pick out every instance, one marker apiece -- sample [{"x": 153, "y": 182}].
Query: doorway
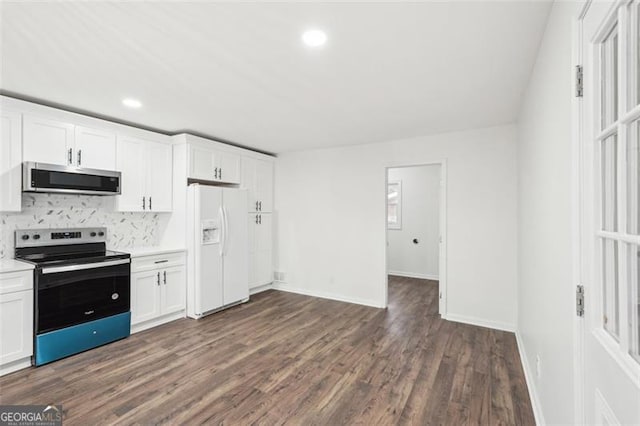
[{"x": 415, "y": 228}]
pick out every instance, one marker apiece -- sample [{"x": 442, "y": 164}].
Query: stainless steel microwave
[{"x": 40, "y": 177}]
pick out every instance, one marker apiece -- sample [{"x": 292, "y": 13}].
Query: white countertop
[
  {"x": 12, "y": 265},
  {"x": 150, "y": 251}
]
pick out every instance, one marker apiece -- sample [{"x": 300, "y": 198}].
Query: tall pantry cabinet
[{"x": 257, "y": 178}]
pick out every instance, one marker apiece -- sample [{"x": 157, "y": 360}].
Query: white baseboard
[
  {"x": 136, "y": 328},
  {"x": 282, "y": 286},
  {"x": 496, "y": 325},
  {"x": 15, "y": 366},
  {"x": 260, "y": 288},
  {"x": 431, "y": 277},
  {"x": 531, "y": 386}
]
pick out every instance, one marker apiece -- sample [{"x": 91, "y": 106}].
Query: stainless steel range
[{"x": 82, "y": 290}]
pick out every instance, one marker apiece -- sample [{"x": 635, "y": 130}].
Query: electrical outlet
[
  {"x": 278, "y": 276},
  {"x": 538, "y": 367}
]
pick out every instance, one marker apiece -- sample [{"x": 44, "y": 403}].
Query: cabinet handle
[
  {"x": 260, "y": 220},
  {"x": 260, "y": 203},
  {"x": 165, "y": 277},
  {"x": 150, "y": 208},
  {"x": 215, "y": 173},
  {"x": 144, "y": 203},
  {"x": 158, "y": 278},
  {"x": 79, "y": 157},
  {"x": 220, "y": 173},
  {"x": 70, "y": 156},
  {"x": 256, "y": 206},
  {"x": 257, "y": 219}
]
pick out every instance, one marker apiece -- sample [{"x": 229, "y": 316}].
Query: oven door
[{"x": 74, "y": 294}]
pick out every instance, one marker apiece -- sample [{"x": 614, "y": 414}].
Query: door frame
[
  {"x": 442, "y": 252},
  {"x": 578, "y": 222}
]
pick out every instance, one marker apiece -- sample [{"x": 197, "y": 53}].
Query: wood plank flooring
[{"x": 290, "y": 359}]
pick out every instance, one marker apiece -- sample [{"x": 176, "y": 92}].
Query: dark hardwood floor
[{"x": 286, "y": 358}]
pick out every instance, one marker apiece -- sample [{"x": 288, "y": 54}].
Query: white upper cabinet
[
  {"x": 146, "y": 168},
  {"x": 47, "y": 141},
  {"x": 228, "y": 167},
  {"x": 95, "y": 149},
  {"x": 201, "y": 165},
  {"x": 257, "y": 177},
  {"x": 131, "y": 162},
  {"x": 10, "y": 161},
  {"x": 213, "y": 165},
  {"x": 159, "y": 176},
  {"x": 58, "y": 142}
]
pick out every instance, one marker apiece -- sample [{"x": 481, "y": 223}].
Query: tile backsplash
[{"x": 79, "y": 211}]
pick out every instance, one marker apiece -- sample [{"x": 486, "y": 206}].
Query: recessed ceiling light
[
  {"x": 314, "y": 38},
  {"x": 131, "y": 103}
]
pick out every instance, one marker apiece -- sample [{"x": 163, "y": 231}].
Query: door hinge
[
  {"x": 580, "y": 300},
  {"x": 579, "y": 81}
]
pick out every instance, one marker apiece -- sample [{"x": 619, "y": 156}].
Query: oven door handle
[{"x": 70, "y": 268}]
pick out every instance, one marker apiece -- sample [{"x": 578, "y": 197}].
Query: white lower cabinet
[
  {"x": 158, "y": 286},
  {"x": 145, "y": 296},
  {"x": 16, "y": 321},
  {"x": 260, "y": 250}
]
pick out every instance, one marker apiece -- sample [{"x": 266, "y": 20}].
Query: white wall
[
  {"x": 545, "y": 287},
  {"x": 420, "y": 220},
  {"x": 331, "y": 219}
]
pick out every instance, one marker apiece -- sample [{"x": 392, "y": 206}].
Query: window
[{"x": 394, "y": 204}]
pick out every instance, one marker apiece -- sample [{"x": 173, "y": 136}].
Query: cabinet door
[
  {"x": 264, "y": 185},
  {"x": 201, "y": 164},
  {"x": 95, "y": 149},
  {"x": 263, "y": 250},
  {"x": 159, "y": 177},
  {"x": 173, "y": 287},
  {"x": 16, "y": 326},
  {"x": 228, "y": 167},
  {"x": 145, "y": 296},
  {"x": 252, "y": 224},
  {"x": 132, "y": 161},
  {"x": 248, "y": 182},
  {"x": 10, "y": 161},
  {"x": 47, "y": 141}
]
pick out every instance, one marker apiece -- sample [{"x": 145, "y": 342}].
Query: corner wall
[
  {"x": 331, "y": 219},
  {"x": 545, "y": 287}
]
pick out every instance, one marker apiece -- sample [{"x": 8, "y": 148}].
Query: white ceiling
[{"x": 239, "y": 72}]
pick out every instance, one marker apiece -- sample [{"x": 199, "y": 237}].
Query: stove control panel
[{"x": 50, "y": 237}]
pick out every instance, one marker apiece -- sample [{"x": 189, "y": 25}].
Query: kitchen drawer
[
  {"x": 146, "y": 263},
  {"x": 16, "y": 281}
]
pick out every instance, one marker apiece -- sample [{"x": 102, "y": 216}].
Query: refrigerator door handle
[
  {"x": 223, "y": 237},
  {"x": 226, "y": 230}
]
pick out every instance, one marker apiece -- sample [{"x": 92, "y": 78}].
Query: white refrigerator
[{"x": 218, "y": 261}]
